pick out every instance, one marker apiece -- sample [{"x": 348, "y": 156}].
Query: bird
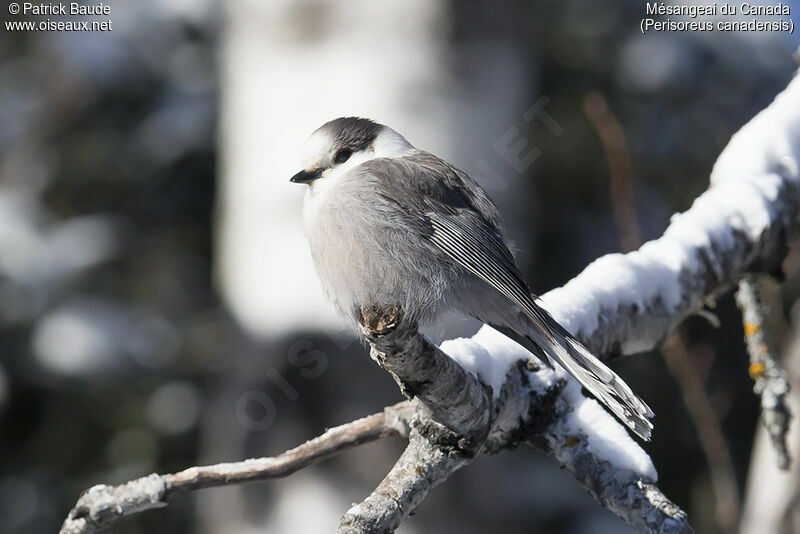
[{"x": 395, "y": 227}]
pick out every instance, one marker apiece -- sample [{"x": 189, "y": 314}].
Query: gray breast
[{"x": 368, "y": 251}]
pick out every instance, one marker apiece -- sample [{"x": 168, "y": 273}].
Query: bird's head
[{"x": 342, "y": 144}]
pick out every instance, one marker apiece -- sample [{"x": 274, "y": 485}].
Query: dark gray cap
[{"x": 352, "y": 132}]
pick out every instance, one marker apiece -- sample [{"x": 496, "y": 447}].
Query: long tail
[{"x": 546, "y": 337}]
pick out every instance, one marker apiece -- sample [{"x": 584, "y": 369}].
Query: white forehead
[{"x": 315, "y": 149}]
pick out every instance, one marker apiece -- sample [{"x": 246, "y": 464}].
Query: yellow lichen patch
[
  {"x": 571, "y": 441},
  {"x": 756, "y": 370},
  {"x": 751, "y": 328}
]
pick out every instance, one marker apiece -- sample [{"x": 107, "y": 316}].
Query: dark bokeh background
[{"x": 117, "y": 358}]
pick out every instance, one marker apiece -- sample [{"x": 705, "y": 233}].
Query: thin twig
[
  {"x": 101, "y": 505},
  {"x": 612, "y": 136},
  {"x": 770, "y": 379},
  {"x": 709, "y": 429}
]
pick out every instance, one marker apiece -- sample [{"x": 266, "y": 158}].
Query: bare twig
[
  {"x": 101, "y": 505},
  {"x": 612, "y": 136},
  {"x": 709, "y": 429},
  {"x": 770, "y": 379}
]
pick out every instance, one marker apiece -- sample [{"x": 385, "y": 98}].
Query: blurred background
[{"x": 158, "y": 308}]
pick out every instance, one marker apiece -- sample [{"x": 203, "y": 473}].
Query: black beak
[{"x": 306, "y": 177}]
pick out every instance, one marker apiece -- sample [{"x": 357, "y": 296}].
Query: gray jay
[{"x": 393, "y": 226}]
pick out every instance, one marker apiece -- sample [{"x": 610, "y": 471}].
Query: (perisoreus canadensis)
[{"x": 393, "y": 226}]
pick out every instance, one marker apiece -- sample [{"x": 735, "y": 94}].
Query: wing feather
[{"x": 482, "y": 252}]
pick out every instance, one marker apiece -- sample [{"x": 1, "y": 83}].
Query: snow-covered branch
[{"x": 488, "y": 396}]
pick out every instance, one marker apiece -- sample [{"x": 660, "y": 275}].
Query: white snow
[
  {"x": 489, "y": 355},
  {"x": 606, "y": 438},
  {"x": 768, "y": 144},
  {"x": 489, "y": 368}
]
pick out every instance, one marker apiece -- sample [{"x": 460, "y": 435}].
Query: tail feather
[{"x": 606, "y": 386}]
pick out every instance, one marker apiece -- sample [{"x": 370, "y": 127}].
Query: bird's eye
[{"x": 342, "y": 155}]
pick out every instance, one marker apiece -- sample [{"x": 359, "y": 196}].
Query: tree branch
[
  {"x": 101, "y": 505},
  {"x": 456, "y": 398},
  {"x": 423, "y": 465},
  {"x": 633, "y": 498}
]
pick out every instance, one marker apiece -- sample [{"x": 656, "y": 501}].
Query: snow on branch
[{"x": 484, "y": 395}]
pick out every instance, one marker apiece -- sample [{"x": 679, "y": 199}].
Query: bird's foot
[{"x": 378, "y": 320}]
